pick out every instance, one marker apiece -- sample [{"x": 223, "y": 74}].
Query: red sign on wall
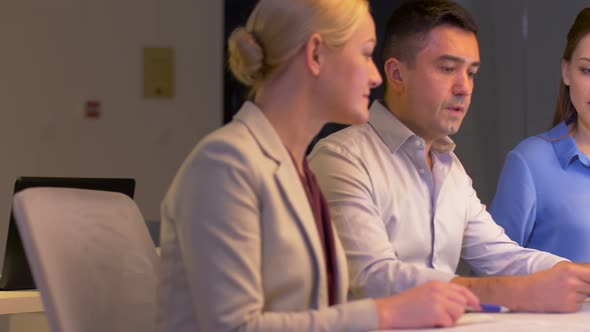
[{"x": 92, "y": 109}]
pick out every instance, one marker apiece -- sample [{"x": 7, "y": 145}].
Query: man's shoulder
[{"x": 350, "y": 140}]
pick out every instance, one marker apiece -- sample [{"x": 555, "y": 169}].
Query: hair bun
[{"x": 245, "y": 56}]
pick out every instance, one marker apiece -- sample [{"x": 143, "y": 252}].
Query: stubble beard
[{"x": 452, "y": 129}]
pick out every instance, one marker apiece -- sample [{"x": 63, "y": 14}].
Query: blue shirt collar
[
  {"x": 564, "y": 145},
  {"x": 394, "y": 133}
]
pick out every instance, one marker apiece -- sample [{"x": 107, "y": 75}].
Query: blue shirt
[
  {"x": 543, "y": 195},
  {"x": 400, "y": 222}
]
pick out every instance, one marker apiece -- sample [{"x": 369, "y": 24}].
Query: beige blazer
[{"x": 240, "y": 248}]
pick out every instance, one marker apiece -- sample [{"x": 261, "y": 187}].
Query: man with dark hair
[
  {"x": 402, "y": 203},
  {"x": 406, "y": 36}
]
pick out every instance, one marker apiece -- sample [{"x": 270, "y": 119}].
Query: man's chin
[{"x": 452, "y": 130}]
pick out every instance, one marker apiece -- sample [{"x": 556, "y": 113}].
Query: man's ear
[
  {"x": 313, "y": 54},
  {"x": 565, "y": 72},
  {"x": 393, "y": 73}
]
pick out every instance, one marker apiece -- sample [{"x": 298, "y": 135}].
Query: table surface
[
  {"x": 521, "y": 322},
  {"x": 17, "y": 302}
]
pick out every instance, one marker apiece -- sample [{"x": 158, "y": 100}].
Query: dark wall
[{"x": 235, "y": 14}]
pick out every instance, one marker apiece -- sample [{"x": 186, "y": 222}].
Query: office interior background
[{"x": 58, "y": 55}]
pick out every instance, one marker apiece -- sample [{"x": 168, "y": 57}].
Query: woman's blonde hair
[{"x": 277, "y": 29}]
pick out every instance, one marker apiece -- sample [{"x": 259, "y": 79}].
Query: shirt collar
[
  {"x": 394, "y": 133},
  {"x": 564, "y": 145}
]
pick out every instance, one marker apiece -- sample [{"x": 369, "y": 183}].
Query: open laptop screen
[{"x": 15, "y": 270}]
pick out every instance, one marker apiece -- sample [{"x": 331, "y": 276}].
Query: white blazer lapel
[
  {"x": 290, "y": 184},
  {"x": 296, "y": 199}
]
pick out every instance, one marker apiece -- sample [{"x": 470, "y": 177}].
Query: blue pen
[{"x": 489, "y": 308}]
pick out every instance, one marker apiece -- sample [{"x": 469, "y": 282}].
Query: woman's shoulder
[
  {"x": 231, "y": 145},
  {"x": 536, "y": 145},
  {"x": 533, "y": 144},
  {"x": 233, "y": 135},
  {"x": 226, "y": 149}
]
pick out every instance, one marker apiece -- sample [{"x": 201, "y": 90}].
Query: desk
[
  {"x": 22, "y": 311},
  {"x": 521, "y": 322},
  {"x": 18, "y": 302}
]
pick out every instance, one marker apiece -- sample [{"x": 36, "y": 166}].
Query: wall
[{"x": 58, "y": 54}]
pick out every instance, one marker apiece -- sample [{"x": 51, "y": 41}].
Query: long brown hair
[{"x": 565, "y": 110}]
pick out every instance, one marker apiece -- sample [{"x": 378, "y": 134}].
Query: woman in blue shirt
[{"x": 543, "y": 195}]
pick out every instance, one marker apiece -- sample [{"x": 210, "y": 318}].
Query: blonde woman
[{"x": 247, "y": 241}]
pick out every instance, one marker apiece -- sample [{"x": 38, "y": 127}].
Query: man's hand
[
  {"x": 562, "y": 288},
  {"x": 433, "y": 304}
]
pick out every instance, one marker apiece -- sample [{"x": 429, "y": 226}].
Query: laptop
[{"x": 16, "y": 274}]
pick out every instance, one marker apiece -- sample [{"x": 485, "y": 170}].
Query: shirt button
[
  {"x": 417, "y": 142},
  {"x": 421, "y": 171}
]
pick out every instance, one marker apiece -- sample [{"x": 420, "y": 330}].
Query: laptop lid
[{"x": 15, "y": 270}]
